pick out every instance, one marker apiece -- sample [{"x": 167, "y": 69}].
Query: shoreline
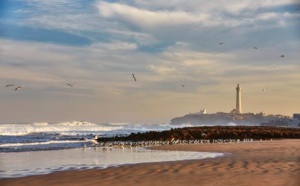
[{"x": 275, "y": 162}]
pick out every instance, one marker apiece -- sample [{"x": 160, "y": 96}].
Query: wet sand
[{"x": 272, "y": 163}]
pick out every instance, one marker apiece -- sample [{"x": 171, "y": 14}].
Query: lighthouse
[{"x": 238, "y": 108}]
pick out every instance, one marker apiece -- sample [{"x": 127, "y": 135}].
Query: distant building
[
  {"x": 263, "y": 114},
  {"x": 276, "y": 123},
  {"x": 296, "y": 115},
  {"x": 283, "y": 122},
  {"x": 203, "y": 111},
  {"x": 199, "y": 113}
]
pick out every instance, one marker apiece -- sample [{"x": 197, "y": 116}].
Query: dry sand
[{"x": 268, "y": 163}]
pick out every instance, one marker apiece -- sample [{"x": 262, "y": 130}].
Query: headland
[{"x": 233, "y": 119}]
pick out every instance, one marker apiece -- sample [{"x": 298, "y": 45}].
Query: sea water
[
  {"x": 67, "y": 135},
  {"x": 41, "y": 148},
  {"x": 20, "y": 164}
]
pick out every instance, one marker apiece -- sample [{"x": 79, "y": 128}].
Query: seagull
[
  {"x": 93, "y": 141},
  {"x": 282, "y": 56},
  {"x": 71, "y": 85},
  {"x": 10, "y": 85},
  {"x": 221, "y": 43},
  {"x": 255, "y": 48},
  {"x": 133, "y": 77},
  {"x": 182, "y": 85},
  {"x": 18, "y": 88}
]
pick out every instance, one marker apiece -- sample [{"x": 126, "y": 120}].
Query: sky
[{"x": 172, "y": 47}]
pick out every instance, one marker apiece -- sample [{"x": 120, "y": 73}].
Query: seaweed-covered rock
[{"x": 212, "y": 132}]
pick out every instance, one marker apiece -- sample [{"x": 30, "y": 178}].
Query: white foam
[
  {"x": 82, "y": 128},
  {"x": 119, "y": 124},
  {"x": 67, "y": 128},
  {"x": 41, "y": 124},
  {"x": 76, "y": 123},
  {"x": 39, "y": 143},
  {"x": 232, "y": 124}
]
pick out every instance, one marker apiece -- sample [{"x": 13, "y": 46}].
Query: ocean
[
  {"x": 42, "y": 148},
  {"x": 66, "y": 135}
]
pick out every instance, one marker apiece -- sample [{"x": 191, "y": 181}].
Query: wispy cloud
[
  {"x": 149, "y": 19},
  {"x": 202, "y": 14}
]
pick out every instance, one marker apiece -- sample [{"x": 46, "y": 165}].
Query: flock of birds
[
  {"x": 221, "y": 43},
  {"x": 129, "y": 144},
  {"x": 17, "y": 87}
]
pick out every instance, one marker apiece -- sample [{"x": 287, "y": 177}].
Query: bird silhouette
[
  {"x": 70, "y": 85},
  {"x": 282, "y": 56},
  {"x": 182, "y": 85},
  {"x": 10, "y": 85},
  {"x": 17, "y": 88},
  {"x": 221, "y": 43},
  {"x": 133, "y": 77},
  {"x": 255, "y": 48}
]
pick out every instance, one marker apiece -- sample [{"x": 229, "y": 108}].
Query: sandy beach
[{"x": 270, "y": 163}]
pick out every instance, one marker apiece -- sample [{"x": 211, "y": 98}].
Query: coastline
[{"x": 275, "y": 162}]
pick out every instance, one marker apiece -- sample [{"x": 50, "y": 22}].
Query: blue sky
[{"x": 97, "y": 45}]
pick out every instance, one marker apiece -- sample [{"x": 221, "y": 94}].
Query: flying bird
[
  {"x": 70, "y": 85},
  {"x": 221, "y": 43},
  {"x": 282, "y": 56},
  {"x": 17, "y": 88},
  {"x": 133, "y": 77},
  {"x": 182, "y": 85},
  {"x": 93, "y": 141},
  {"x": 10, "y": 85},
  {"x": 255, "y": 48}
]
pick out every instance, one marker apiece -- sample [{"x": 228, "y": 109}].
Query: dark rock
[{"x": 212, "y": 132}]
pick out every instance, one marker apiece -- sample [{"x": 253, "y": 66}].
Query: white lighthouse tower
[{"x": 238, "y": 108}]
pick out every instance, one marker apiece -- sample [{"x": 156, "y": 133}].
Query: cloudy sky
[{"x": 96, "y": 45}]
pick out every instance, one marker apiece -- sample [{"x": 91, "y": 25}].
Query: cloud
[
  {"x": 117, "y": 45},
  {"x": 146, "y": 18},
  {"x": 101, "y": 67},
  {"x": 156, "y": 25},
  {"x": 202, "y": 24},
  {"x": 202, "y": 14}
]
